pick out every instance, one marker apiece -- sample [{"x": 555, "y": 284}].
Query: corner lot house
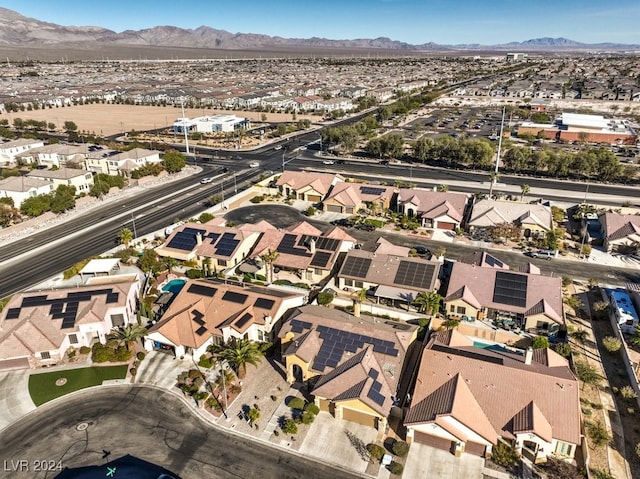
[
  {"x": 621, "y": 233},
  {"x": 307, "y": 186},
  {"x": 121, "y": 163},
  {"x": 467, "y": 398},
  {"x": 353, "y": 368},
  {"x": 37, "y": 327},
  {"x": 80, "y": 179},
  {"x": 535, "y": 220},
  {"x": 19, "y": 188},
  {"x": 207, "y": 311},
  {"x": 526, "y": 301},
  {"x": 434, "y": 209},
  {"x": 349, "y": 198},
  {"x": 10, "y": 149}
]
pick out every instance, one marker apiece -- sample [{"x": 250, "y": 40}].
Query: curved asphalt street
[{"x": 153, "y": 425}]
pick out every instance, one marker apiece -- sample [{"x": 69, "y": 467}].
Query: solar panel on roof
[
  {"x": 68, "y": 321},
  {"x": 415, "y": 275},
  {"x": 112, "y": 297},
  {"x": 370, "y": 190},
  {"x": 202, "y": 290},
  {"x": 197, "y": 317},
  {"x": 327, "y": 244},
  {"x": 356, "y": 266},
  {"x": 13, "y": 313},
  {"x": 510, "y": 289},
  {"x": 213, "y": 237},
  {"x": 243, "y": 320},
  {"x": 34, "y": 301},
  {"x": 264, "y": 303},
  {"x": 201, "y": 330},
  {"x": 373, "y": 373},
  {"x": 287, "y": 246},
  {"x": 296, "y": 327},
  {"x": 320, "y": 259},
  {"x": 234, "y": 297},
  {"x": 376, "y": 397},
  {"x": 185, "y": 240}
]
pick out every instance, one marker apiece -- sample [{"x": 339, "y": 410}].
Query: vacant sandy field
[{"x": 107, "y": 120}]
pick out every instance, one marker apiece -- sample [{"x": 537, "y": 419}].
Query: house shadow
[
  {"x": 125, "y": 466},
  {"x": 358, "y": 444}
]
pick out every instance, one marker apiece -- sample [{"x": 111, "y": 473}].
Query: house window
[
  {"x": 261, "y": 336},
  {"x": 461, "y": 310},
  {"x": 563, "y": 449},
  {"x": 73, "y": 338},
  {"x": 222, "y": 262},
  {"x": 45, "y": 355},
  {"x": 117, "y": 320},
  {"x": 452, "y": 308},
  {"x": 317, "y": 271},
  {"x": 542, "y": 325},
  {"x": 359, "y": 284},
  {"x": 348, "y": 282}
]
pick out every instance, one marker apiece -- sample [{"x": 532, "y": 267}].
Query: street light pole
[
  {"x": 235, "y": 185},
  {"x": 133, "y": 222},
  {"x": 494, "y": 180}
]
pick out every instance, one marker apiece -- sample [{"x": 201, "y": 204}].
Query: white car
[
  {"x": 279, "y": 147},
  {"x": 206, "y": 180},
  {"x": 328, "y": 162},
  {"x": 254, "y": 164}
]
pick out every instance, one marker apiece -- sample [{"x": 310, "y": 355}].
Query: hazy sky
[{"x": 413, "y": 21}]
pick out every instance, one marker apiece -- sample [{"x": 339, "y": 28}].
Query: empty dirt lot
[{"x": 105, "y": 120}]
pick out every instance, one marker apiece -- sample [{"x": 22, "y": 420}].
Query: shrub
[
  {"x": 325, "y": 298},
  {"x": 290, "y": 427},
  {"x": 375, "y": 451},
  {"x": 194, "y": 273},
  {"x": 504, "y": 455},
  {"x": 296, "y": 403},
  {"x": 627, "y": 392},
  {"x": 396, "y": 468},
  {"x": 559, "y": 468},
  {"x": 122, "y": 354},
  {"x": 133, "y": 371},
  {"x": 257, "y": 199},
  {"x": 540, "y": 342},
  {"x": 312, "y": 408},
  {"x": 140, "y": 356},
  {"x": 598, "y": 434},
  {"x": 400, "y": 448},
  {"x": 200, "y": 396},
  {"x": 235, "y": 389},
  {"x": 205, "y": 361},
  {"x": 274, "y": 398},
  {"x": 85, "y": 350},
  {"x": 213, "y": 403},
  {"x": 637, "y": 449},
  {"x": 563, "y": 349},
  {"x": 611, "y": 344},
  {"x": 600, "y": 474},
  {"x": 307, "y": 417}
]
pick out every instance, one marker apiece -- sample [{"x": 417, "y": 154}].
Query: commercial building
[{"x": 210, "y": 124}]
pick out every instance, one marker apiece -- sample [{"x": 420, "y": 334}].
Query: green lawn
[{"x": 42, "y": 387}]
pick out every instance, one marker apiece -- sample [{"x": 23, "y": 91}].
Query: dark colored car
[
  {"x": 421, "y": 250},
  {"x": 365, "y": 227},
  {"x": 340, "y": 162},
  {"x": 343, "y": 222},
  {"x": 384, "y": 162}
]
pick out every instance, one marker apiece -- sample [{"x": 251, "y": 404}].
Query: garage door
[
  {"x": 334, "y": 208},
  {"x": 474, "y": 448},
  {"x": 359, "y": 417},
  {"x": 442, "y": 225},
  {"x": 433, "y": 441},
  {"x": 324, "y": 405},
  {"x": 314, "y": 198},
  {"x": 11, "y": 364}
]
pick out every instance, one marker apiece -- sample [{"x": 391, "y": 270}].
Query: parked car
[
  {"x": 340, "y": 162},
  {"x": 206, "y": 180},
  {"x": 544, "y": 254},
  {"x": 278, "y": 147},
  {"x": 328, "y": 162},
  {"x": 384, "y": 162},
  {"x": 421, "y": 250},
  {"x": 365, "y": 227},
  {"x": 345, "y": 222},
  {"x": 254, "y": 164}
]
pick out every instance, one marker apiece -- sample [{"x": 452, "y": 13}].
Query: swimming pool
[{"x": 174, "y": 286}]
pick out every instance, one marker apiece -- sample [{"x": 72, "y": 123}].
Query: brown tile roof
[
  {"x": 320, "y": 182},
  {"x": 489, "y": 212},
  {"x": 482, "y": 258},
  {"x": 501, "y": 386},
  {"x": 387, "y": 247},
  {"x": 304, "y": 228},
  {"x": 354, "y": 194},
  {"x": 208, "y": 246},
  {"x": 481, "y": 282},
  {"x": 431, "y": 204},
  {"x": 617, "y": 226}
]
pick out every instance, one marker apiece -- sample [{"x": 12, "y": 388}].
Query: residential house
[
  {"x": 303, "y": 250},
  {"x": 217, "y": 247},
  {"x": 38, "y": 327},
  {"x": 10, "y": 149},
  {"x": 19, "y": 188},
  {"x": 434, "y": 209},
  {"x": 334, "y": 104},
  {"x": 58, "y": 154},
  {"x": 350, "y": 198},
  {"x": 307, "y": 186},
  {"x": 534, "y": 220},
  {"x": 620, "y": 233},
  {"x": 207, "y": 312},
  {"x": 468, "y": 398},
  {"x": 517, "y": 300},
  {"x": 82, "y": 180},
  {"x": 120, "y": 163},
  {"x": 390, "y": 279},
  {"x": 353, "y": 368}
]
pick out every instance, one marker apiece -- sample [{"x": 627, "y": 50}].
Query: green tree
[
  {"x": 174, "y": 161},
  {"x": 358, "y": 298},
  {"x": 254, "y": 415},
  {"x": 149, "y": 262},
  {"x": 70, "y": 126},
  {"x": 524, "y": 190},
  {"x": 238, "y": 353},
  {"x": 563, "y": 349},
  {"x": 36, "y": 205},
  {"x": 428, "y": 301},
  {"x": 127, "y": 335},
  {"x": 587, "y": 374},
  {"x": 63, "y": 199},
  {"x": 540, "y": 342},
  {"x": 125, "y": 236},
  {"x": 269, "y": 258},
  {"x": 325, "y": 298}
]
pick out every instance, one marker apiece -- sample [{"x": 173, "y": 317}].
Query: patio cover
[
  {"x": 101, "y": 266},
  {"x": 391, "y": 292}
]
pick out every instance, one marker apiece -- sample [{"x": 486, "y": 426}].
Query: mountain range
[{"x": 19, "y": 31}]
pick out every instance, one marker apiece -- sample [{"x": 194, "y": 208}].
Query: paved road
[{"x": 152, "y": 425}]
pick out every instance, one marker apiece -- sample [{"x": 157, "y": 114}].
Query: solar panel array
[
  {"x": 374, "y": 393},
  {"x": 264, "y": 303},
  {"x": 213, "y": 237},
  {"x": 511, "y": 289},
  {"x": 298, "y": 326},
  {"x": 198, "y": 319},
  {"x": 227, "y": 244},
  {"x": 326, "y": 244},
  {"x": 356, "y": 266},
  {"x": 288, "y": 246},
  {"x": 63, "y": 308},
  {"x": 371, "y": 190},
  {"x": 335, "y": 342},
  {"x": 234, "y": 297},
  {"x": 185, "y": 239},
  {"x": 243, "y": 320},
  {"x": 320, "y": 259},
  {"x": 415, "y": 275},
  {"x": 202, "y": 290}
]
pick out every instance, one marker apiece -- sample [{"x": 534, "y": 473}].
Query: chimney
[
  {"x": 312, "y": 246},
  {"x": 528, "y": 356},
  {"x": 199, "y": 238}
]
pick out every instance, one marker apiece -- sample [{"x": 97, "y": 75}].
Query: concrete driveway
[
  {"x": 339, "y": 442},
  {"x": 426, "y": 462},
  {"x": 162, "y": 369},
  {"x": 15, "y": 400}
]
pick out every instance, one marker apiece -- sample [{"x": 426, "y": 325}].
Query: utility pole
[
  {"x": 184, "y": 128},
  {"x": 494, "y": 179}
]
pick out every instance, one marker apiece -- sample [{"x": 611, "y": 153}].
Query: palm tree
[
  {"x": 427, "y": 301},
  {"x": 358, "y": 299},
  {"x": 494, "y": 177},
  {"x": 525, "y": 189},
  {"x": 125, "y": 236},
  {"x": 238, "y": 353},
  {"x": 225, "y": 379},
  {"x": 128, "y": 335},
  {"x": 170, "y": 262},
  {"x": 269, "y": 258}
]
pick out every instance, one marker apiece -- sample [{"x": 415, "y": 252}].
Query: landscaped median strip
[{"x": 44, "y": 387}]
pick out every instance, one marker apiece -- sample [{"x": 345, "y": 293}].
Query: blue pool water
[
  {"x": 493, "y": 347},
  {"x": 174, "y": 286}
]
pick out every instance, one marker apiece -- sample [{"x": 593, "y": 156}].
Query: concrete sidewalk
[{"x": 15, "y": 400}]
